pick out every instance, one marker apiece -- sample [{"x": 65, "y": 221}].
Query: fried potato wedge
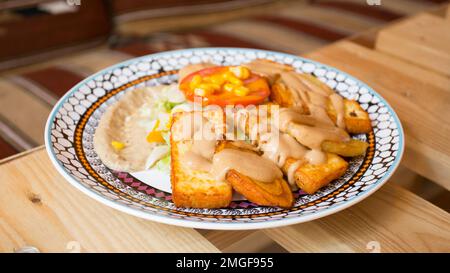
[
  {"x": 310, "y": 178},
  {"x": 276, "y": 193},
  {"x": 357, "y": 120},
  {"x": 267, "y": 68},
  {"x": 315, "y": 85},
  {"x": 281, "y": 94},
  {"x": 350, "y": 148}
]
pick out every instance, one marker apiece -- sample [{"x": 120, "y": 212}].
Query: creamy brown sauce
[
  {"x": 201, "y": 155},
  {"x": 338, "y": 104},
  {"x": 291, "y": 172},
  {"x": 245, "y": 145},
  {"x": 315, "y": 157},
  {"x": 317, "y": 99},
  {"x": 270, "y": 70},
  {"x": 312, "y": 137},
  {"x": 288, "y": 115},
  {"x": 247, "y": 163},
  {"x": 301, "y": 132},
  {"x": 197, "y": 129},
  {"x": 320, "y": 115},
  {"x": 195, "y": 161},
  {"x": 203, "y": 147},
  {"x": 278, "y": 148},
  {"x": 309, "y": 129},
  {"x": 314, "y": 85},
  {"x": 298, "y": 88}
]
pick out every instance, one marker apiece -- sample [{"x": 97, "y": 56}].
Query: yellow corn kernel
[
  {"x": 245, "y": 73},
  {"x": 204, "y": 89},
  {"x": 117, "y": 145},
  {"x": 217, "y": 79},
  {"x": 200, "y": 92},
  {"x": 228, "y": 74},
  {"x": 155, "y": 136},
  {"x": 210, "y": 87},
  {"x": 195, "y": 81},
  {"x": 205, "y": 86},
  {"x": 240, "y": 71},
  {"x": 235, "y": 81},
  {"x": 241, "y": 91},
  {"x": 228, "y": 87},
  {"x": 215, "y": 87}
]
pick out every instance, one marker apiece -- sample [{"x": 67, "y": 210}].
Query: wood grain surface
[
  {"x": 244, "y": 241},
  {"x": 391, "y": 220},
  {"x": 38, "y": 208},
  {"x": 420, "y": 97},
  {"x": 423, "y": 40}
]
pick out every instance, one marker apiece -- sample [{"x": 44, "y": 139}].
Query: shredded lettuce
[
  {"x": 165, "y": 101},
  {"x": 163, "y": 165},
  {"x": 166, "y": 137},
  {"x": 168, "y": 106}
]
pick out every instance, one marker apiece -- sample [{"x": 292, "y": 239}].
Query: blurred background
[{"x": 46, "y": 47}]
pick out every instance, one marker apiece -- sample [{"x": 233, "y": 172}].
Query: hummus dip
[{"x": 127, "y": 122}]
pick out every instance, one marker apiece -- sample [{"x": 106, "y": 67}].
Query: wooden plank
[
  {"x": 154, "y": 21},
  {"x": 21, "y": 154},
  {"x": 241, "y": 241},
  {"x": 420, "y": 97},
  {"x": 38, "y": 208},
  {"x": 391, "y": 220},
  {"x": 423, "y": 40},
  {"x": 31, "y": 119}
]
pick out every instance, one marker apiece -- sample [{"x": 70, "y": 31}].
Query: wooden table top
[{"x": 38, "y": 208}]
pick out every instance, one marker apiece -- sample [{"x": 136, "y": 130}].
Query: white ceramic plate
[{"x": 71, "y": 126}]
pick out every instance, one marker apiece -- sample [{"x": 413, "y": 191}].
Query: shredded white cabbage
[
  {"x": 157, "y": 154},
  {"x": 163, "y": 103}
]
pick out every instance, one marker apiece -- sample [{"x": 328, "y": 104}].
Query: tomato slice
[{"x": 258, "y": 89}]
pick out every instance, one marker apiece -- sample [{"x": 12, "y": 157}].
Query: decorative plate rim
[{"x": 221, "y": 225}]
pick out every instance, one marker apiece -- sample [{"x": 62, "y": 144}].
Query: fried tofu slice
[
  {"x": 310, "y": 178},
  {"x": 194, "y": 188},
  {"x": 274, "y": 194},
  {"x": 356, "y": 119}
]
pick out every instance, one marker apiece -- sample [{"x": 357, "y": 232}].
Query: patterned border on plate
[{"x": 70, "y": 145}]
